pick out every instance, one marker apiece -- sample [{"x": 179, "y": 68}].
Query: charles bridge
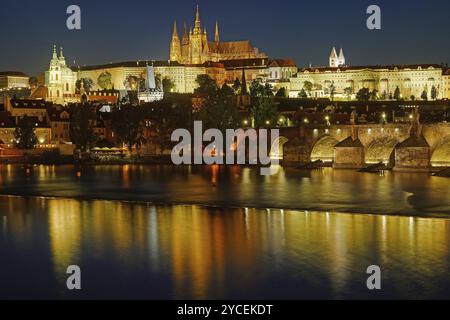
[{"x": 403, "y": 146}]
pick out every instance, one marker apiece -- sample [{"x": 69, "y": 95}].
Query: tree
[
  {"x": 363, "y": 94},
  {"x": 282, "y": 93},
  {"x": 226, "y": 90},
  {"x": 82, "y": 122},
  {"x": 257, "y": 89},
  {"x": 434, "y": 93},
  {"x": 424, "y": 95},
  {"x": 220, "y": 111},
  {"x": 237, "y": 85},
  {"x": 86, "y": 83},
  {"x": 104, "y": 80},
  {"x": 397, "y": 94},
  {"x": 268, "y": 90},
  {"x": 25, "y": 136},
  {"x": 264, "y": 113},
  {"x": 166, "y": 116},
  {"x": 374, "y": 94},
  {"x": 206, "y": 85},
  {"x": 308, "y": 86},
  {"x": 131, "y": 82},
  {"x": 168, "y": 85},
  {"x": 302, "y": 94},
  {"x": 332, "y": 90},
  {"x": 33, "y": 82},
  {"x": 128, "y": 125},
  {"x": 348, "y": 92}
]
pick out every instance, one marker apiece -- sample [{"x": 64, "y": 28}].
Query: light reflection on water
[
  {"x": 130, "y": 250},
  {"x": 415, "y": 194}
]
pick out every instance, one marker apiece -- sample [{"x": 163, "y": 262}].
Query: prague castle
[
  {"x": 345, "y": 81},
  {"x": 224, "y": 62},
  {"x": 194, "y": 47}
]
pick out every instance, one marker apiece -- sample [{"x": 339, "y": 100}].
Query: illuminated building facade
[
  {"x": 195, "y": 48},
  {"x": 60, "y": 80},
  {"x": 411, "y": 80},
  {"x": 13, "y": 80}
]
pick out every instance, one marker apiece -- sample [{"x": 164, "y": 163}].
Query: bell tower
[{"x": 175, "y": 46}]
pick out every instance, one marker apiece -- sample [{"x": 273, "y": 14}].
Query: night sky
[{"x": 113, "y": 31}]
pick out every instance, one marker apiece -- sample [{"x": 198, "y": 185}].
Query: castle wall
[{"x": 410, "y": 81}]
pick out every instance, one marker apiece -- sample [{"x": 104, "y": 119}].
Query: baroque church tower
[{"x": 60, "y": 80}]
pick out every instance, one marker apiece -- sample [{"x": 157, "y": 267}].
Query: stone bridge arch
[
  {"x": 381, "y": 150},
  {"x": 441, "y": 154},
  {"x": 276, "y": 150},
  {"x": 323, "y": 149}
]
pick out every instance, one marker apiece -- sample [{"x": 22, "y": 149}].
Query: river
[{"x": 164, "y": 232}]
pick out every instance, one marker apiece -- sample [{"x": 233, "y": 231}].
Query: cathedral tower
[
  {"x": 216, "y": 36},
  {"x": 335, "y": 60},
  {"x": 175, "y": 47},
  {"x": 185, "y": 45},
  {"x": 198, "y": 43},
  {"x": 341, "y": 58}
]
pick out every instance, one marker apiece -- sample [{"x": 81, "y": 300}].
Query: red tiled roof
[
  {"x": 282, "y": 63},
  {"x": 13, "y": 74}
]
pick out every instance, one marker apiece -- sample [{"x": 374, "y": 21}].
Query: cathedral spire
[
  {"x": 197, "y": 28},
  {"x": 217, "y": 37},
  {"x": 175, "y": 32},
  {"x": 55, "y": 55},
  {"x": 185, "y": 30},
  {"x": 175, "y": 46},
  {"x": 197, "y": 15},
  {"x": 341, "y": 54},
  {"x": 61, "y": 54},
  {"x": 333, "y": 53}
]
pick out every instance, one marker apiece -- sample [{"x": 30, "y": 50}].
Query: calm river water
[{"x": 158, "y": 232}]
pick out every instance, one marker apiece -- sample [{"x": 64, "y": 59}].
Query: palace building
[
  {"x": 13, "y": 80},
  {"x": 195, "y": 48},
  {"x": 345, "y": 81}
]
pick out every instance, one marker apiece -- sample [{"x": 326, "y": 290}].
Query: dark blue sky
[{"x": 112, "y": 31}]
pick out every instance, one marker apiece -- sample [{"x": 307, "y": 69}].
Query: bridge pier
[
  {"x": 296, "y": 151},
  {"x": 349, "y": 154},
  {"x": 413, "y": 154}
]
